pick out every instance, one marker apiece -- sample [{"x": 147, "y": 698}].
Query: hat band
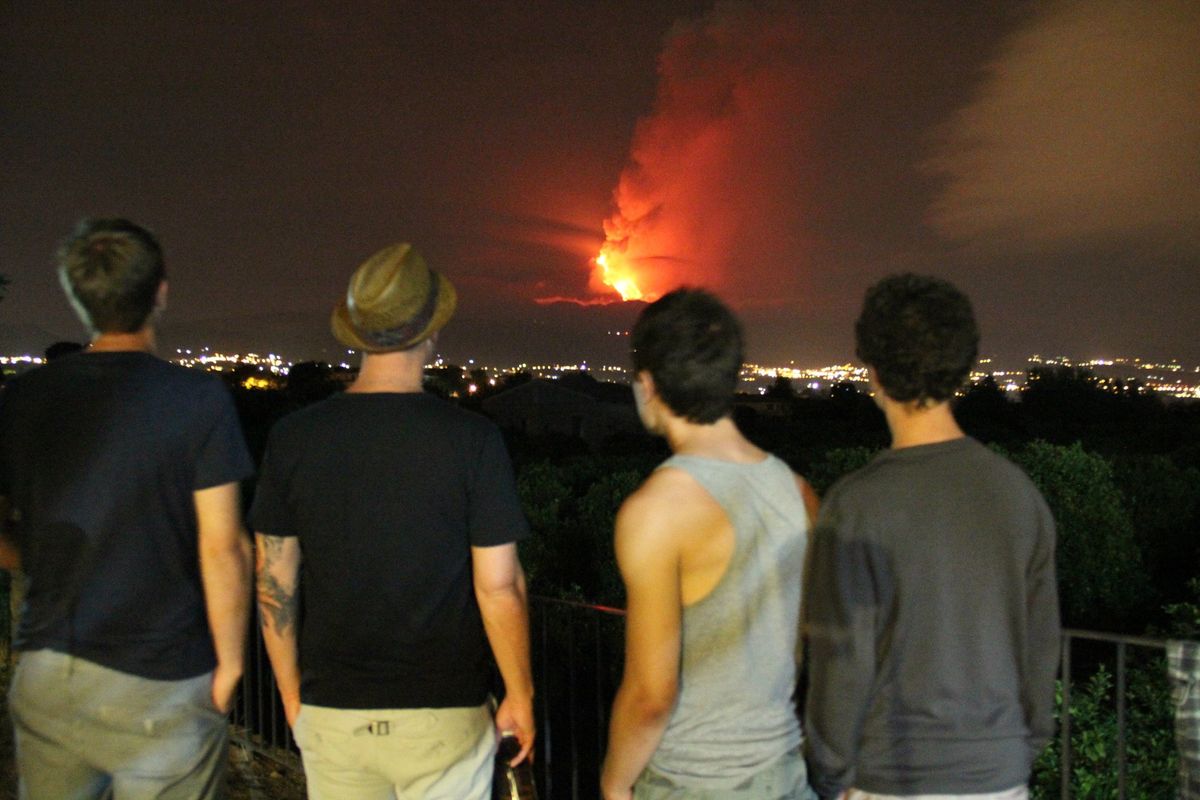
[{"x": 394, "y": 337}]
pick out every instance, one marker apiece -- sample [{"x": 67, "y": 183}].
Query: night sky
[{"x": 1045, "y": 157}]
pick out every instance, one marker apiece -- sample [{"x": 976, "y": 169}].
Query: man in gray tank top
[{"x": 711, "y": 549}]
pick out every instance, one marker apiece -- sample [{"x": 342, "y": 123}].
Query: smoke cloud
[
  {"x": 1086, "y": 130},
  {"x": 713, "y": 192}
]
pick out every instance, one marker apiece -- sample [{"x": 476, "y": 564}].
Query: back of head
[
  {"x": 691, "y": 345},
  {"x": 919, "y": 335},
  {"x": 111, "y": 270}
]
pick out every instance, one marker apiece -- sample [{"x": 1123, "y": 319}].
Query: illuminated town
[{"x": 1168, "y": 379}]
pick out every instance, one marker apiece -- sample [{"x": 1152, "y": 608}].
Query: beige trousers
[
  {"x": 397, "y": 754},
  {"x": 85, "y": 732},
  {"x": 1016, "y": 793}
]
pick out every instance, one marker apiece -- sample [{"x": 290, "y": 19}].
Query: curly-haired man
[{"x": 931, "y": 604}]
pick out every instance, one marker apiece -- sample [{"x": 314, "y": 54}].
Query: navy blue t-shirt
[
  {"x": 387, "y": 493},
  {"x": 100, "y": 456}
]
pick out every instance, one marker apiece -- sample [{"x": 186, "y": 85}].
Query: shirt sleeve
[
  {"x": 222, "y": 456},
  {"x": 840, "y": 612},
  {"x": 494, "y": 513},
  {"x": 270, "y": 513},
  {"x": 1045, "y": 635}
]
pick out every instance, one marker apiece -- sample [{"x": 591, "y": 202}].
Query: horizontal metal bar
[
  {"x": 554, "y": 601},
  {"x": 1115, "y": 638}
]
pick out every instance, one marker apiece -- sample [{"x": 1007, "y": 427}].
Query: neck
[
  {"x": 912, "y": 424},
  {"x": 720, "y": 440},
  {"x": 402, "y": 371},
  {"x": 140, "y": 341}
]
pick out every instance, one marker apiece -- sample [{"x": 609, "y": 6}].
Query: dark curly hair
[
  {"x": 919, "y": 335},
  {"x": 691, "y": 345}
]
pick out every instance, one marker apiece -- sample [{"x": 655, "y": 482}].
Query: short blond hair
[{"x": 111, "y": 270}]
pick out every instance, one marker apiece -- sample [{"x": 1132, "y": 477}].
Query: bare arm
[
  {"x": 10, "y": 555},
  {"x": 277, "y": 576},
  {"x": 812, "y": 503},
  {"x": 500, "y": 593},
  {"x": 649, "y": 563},
  {"x": 225, "y": 574}
]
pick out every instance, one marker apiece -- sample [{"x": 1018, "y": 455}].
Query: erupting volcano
[
  {"x": 713, "y": 192},
  {"x": 613, "y": 271}
]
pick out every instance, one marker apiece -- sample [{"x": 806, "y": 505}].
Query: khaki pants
[
  {"x": 1016, "y": 793},
  {"x": 84, "y": 731},
  {"x": 397, "y": 754}
]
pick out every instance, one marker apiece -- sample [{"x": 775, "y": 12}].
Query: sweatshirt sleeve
[
  {"x": 1045, "y": 635},
  {"x": 841, "y": 610}
]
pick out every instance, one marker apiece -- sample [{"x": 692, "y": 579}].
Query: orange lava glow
[{"x": 614, "y": 271}]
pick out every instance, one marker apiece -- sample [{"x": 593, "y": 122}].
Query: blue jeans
[{"x": 84, "y": 731}]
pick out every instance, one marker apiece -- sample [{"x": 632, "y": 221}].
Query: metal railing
[
  {"x": 577, "y": 658},
  {"x": 578, "y": 652},
  {"x": 576, "y": 655},
  {"x": 258, "y": 720},
  {"x": 1122, "y": 644}
]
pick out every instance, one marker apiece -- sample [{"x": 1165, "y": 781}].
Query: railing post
[
  {"x": 1121, "y": 720},
  {"x": 547, "y": 738},
  {"x": 571, "y": 718},
  {"x": 1064, "y": 721},
  {"x": 601, "y": 728},
  {"x": 259, "y": 713}
]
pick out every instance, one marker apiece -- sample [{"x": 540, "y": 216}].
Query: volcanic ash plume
[{"x": 711, "y": 194}]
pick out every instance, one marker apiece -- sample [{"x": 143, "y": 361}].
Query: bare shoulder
[
  {"x": 668, "y": 494},
  {"x": 812, "y": 502},
  {"x": 669, "y": 504}
]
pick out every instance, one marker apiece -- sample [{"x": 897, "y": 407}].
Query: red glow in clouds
[{"x": 713, "y": 194}]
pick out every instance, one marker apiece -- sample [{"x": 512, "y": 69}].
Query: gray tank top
[{"x": 735, "y": 712}]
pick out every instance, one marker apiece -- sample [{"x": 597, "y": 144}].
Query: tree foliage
[
  {"x": 571, "y": 507},
  {"x": 1163, "y": 499},
  {"x": 1102, "y": 583},
  {"x": 1149, "y": 738},
  {"x": 826, "y": 468}
]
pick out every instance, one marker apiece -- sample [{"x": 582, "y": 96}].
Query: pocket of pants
[
  {"x": 298, "y": 733},
  {"x": 204, "y": 698},
  {"x": 37, "y": 688}
]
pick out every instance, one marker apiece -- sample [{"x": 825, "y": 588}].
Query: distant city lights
[{"x": 1167, "y": 378}]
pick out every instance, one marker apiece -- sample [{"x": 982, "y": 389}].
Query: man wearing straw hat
[{"x": 391, "y": 516}]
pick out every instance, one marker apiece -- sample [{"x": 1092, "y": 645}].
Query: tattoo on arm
[{"x": 277, "y": 600}]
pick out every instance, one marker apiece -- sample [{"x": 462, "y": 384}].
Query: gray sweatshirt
[{"x": 932, "y": 613}]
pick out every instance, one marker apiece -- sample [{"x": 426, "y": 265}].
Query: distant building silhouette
[{"x": 591, "y": 412}]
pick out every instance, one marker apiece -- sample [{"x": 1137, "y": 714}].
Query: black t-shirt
[
  {"x": 387, "y": 494},
  {"x": 100, "y": 454}
]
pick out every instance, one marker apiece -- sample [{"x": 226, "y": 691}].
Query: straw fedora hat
[{"x": 394, "y": 301}]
